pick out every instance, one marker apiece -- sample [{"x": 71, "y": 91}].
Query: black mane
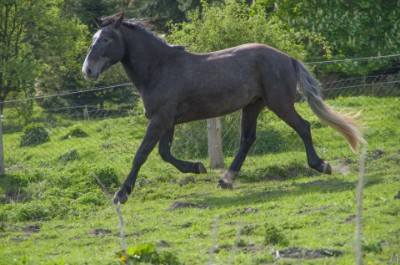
[{"x": 142, "y": 25}]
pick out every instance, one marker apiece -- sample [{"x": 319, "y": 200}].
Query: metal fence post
[{"x": 2, "y": 167}]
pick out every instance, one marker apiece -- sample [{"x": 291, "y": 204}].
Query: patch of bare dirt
[
  {"x": 14, "y": 196},
  {"x": 180, "y": 205},
  {"x": 100, "y": 232},
  {"x": 31, "y": 228},
  {"x": 376, "y": 154},
  {"x": 299, "y": 253},
  {"x": 313, "y": 209}
]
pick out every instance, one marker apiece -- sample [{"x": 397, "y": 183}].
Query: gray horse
[{"x": 177, "y": 86}]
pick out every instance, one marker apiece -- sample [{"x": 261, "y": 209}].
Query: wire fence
[{"x": 106, "y": 124}]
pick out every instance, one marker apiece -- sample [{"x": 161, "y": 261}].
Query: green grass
[{"x": 60, "y": 215}]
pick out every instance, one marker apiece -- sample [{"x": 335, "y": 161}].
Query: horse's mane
[{"x": 142, "y": 25}]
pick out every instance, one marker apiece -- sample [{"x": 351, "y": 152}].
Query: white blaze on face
[
  {"x": 91, "y": 71},
  {"x": 96, "y": 36}
]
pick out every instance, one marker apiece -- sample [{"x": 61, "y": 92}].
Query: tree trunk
[
  {"x": 2, "y": 167},
  {"x": 214, "y": 135}
]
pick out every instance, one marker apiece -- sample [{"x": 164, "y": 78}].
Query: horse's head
[{"x": 107, "y": 47}]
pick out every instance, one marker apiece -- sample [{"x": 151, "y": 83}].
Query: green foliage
[
  {"x": 83, "y": 9},
  {"x": 216, "y": 27},
  {"x": 91, "y": 198},
  {"x": 355, "y": 29},
  {"x": 375, "y": 248},
  {"x": 75, "y": 132},
  {"x": 161, "y": 12},
  {"x": 108, "y": 176},
  {"x": 41, "y": 48},
  {"x": 69, "y": 156},
  {"x": 13, "y": 182},
  {"x": 29, "y": 211},
  {"x": 35, "y": 134},
  {"x": 197, "y": 147},
  {"x": 274, "y": 235},
  {"x": 147, "y": 253},
  {"x": 18, "y": 66},
  {"x": 308, "y": 210}
]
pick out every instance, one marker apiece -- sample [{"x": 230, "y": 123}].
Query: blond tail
[{"x": 308, "y": 86}]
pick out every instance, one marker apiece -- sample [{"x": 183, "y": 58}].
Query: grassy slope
[{"x": 275, "y": 189}]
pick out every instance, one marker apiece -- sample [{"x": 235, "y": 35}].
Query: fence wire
[{"x": 83, "y": 126}]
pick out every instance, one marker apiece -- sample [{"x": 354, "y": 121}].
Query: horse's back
[
  {"x": 253, "y": 66},
  {"x": 217, "y": 83}
]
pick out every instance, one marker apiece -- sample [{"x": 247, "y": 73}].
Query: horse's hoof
[
  {"x": 223, "y": 184},
  {"x": 120, "y": 200},
  {"x": 326, "y": 168},
  {"x": 201, "y": 168},
  {"x": 120, "y": 197}
]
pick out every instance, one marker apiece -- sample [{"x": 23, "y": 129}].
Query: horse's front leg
[
  {"x": 164, "y": 148},
  {"x": 154, "y": 131}
]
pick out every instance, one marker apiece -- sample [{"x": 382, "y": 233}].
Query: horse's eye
[{"x": 105, "y": 40}]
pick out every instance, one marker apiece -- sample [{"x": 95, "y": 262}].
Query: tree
[
  {"x": 2, "y": 167},
  {"x": 161, "y": 12},
  {"x": 85, "y": 9},
  {"x": 18, "y": 65},
  {"x": 62, "y": 64},
  {"x": 222, "y": 26},
  {"x": 216, "y": 27},
  {"x": 41, "y": 50},
  {"x": 354, "y": 28}
]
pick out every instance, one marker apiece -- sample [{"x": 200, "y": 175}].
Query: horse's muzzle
[{"x": 89, "y": 74}]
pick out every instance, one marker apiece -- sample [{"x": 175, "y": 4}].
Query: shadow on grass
[
  {"x": 247, "y": 196},
  {"x": 277, "y": 173},
  {"x": 12, "y": 188}
]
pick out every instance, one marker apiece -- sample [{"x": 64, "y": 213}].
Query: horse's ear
[
  {"x": 119, "y": 18},
  {"x": 97, "y": 21}
]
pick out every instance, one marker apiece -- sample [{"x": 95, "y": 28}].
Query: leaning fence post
[
  {"x": 86, "y": 113},
  {"x": 2, "y": 167}
]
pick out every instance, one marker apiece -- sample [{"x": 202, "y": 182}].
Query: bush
[
  {"x": 107, "y": 176},
  {"x": 34, "y": 134},
  {"x": 92, "y": 198},
  {"x": 147, "y": 253},
  {"x": 68, "y": 156},
  {"x": 31, "y": 211},
  {"x": 75, "y": 132},
  {"x": 274, "y": 236}
]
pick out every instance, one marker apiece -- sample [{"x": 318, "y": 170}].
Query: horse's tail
[{"x": 308, "y": 86}]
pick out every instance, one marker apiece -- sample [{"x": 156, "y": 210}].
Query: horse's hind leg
[
  {"x": 247, "y": 138},
  {"x": 164, "y": 148},
  {"x": 288, "y": 113}
]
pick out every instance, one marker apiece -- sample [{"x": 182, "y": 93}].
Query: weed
[
  {"x": 34, "y": 134},
  {"x": 274, "y": 235},
  {"x": 371, "y": 247},
  {"x": 30, "y": 211},
  {"x": 108, "y": 176},
  {"x": 303, "y": 208},
  {"x": 76, "y": 132},
  {"x": 147, "y": 253},
  {"x": 68, "y": 156}
]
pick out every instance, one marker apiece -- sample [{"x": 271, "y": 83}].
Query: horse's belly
[{"x": 204, "y": 108}]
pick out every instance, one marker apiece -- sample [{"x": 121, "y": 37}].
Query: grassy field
[{"x": 53, "y": 211}]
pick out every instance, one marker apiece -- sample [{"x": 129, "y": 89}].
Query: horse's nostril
[{"x": 89, "y": 71}]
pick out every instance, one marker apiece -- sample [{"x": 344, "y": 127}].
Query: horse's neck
[{"x": 141, "y": 54}]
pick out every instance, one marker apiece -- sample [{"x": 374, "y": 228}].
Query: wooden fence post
[
  {"x": 214, "y": 136},
  {"x": 2, "y": 167}
]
